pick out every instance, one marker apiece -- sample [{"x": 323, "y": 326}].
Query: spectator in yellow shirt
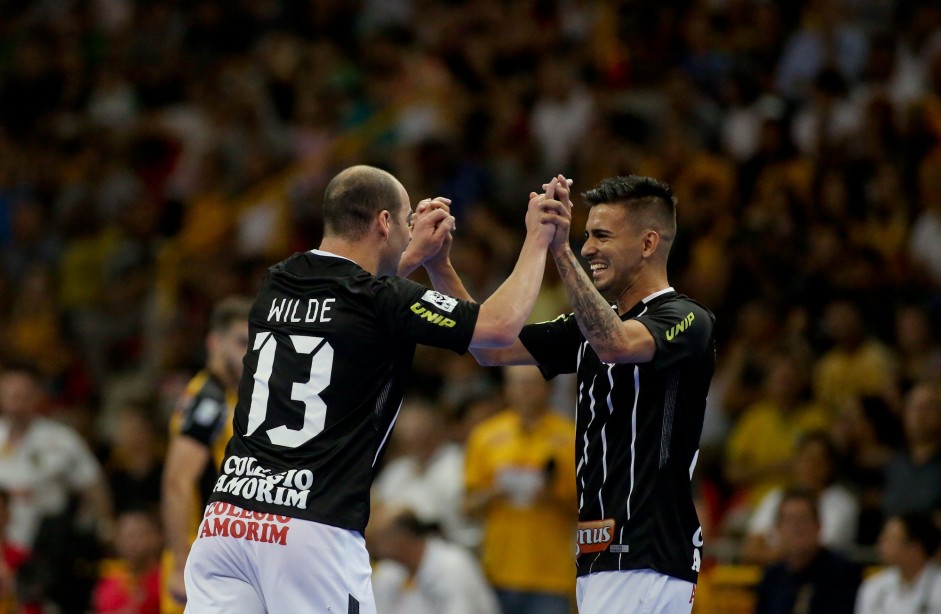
[
  {"x": 520, "y": 481},
  {"x": 761, "y": 445}
]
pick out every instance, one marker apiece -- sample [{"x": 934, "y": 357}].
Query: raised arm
[
  {"x": 503, "y": 314},
  {"x": 613, "y": 340}
]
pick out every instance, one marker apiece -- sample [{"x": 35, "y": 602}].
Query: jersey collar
[
  {"x": 320, "y": 252},
  {"x": 650, "y": 297}
]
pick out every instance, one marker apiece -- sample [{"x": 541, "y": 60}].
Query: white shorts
[
  {"x": 246, "y": 562},
  {"x": 640, "y": 591}
]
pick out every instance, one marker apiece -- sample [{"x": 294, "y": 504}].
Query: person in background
[
  {"x": 762, "y": 443},
  {"x": 12, "y": 597},
  {"x": 867, "y": 434},
  {"x": 913, "y": 476},
  {"x": 427, "y": 474},
  {"x": 60, "y": 503},
  {"x": 911, "y": 581},
  {"x": 814, "y": 469},
  {"x": 809, "y": 577},
  {"x": 130, "y": 584},
  {"x": 199, "y": 430},
  {"x": 420, "y": 573},
  {"x": 520, "y": 481}
]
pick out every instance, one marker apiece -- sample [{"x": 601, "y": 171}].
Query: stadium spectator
[
  {"x": 130, "y": 583},
  {"x": 520, "y": 482},
  {"x": 913, "y": 476},
  {"x": 760, "y": 447},
  {"x": 46, "y": 466},
  {"x": 426, "y": 475},
  {"x": 867, "y": 434},
  {"x": 135, "y": 459},
  {"x": 813, "y": 469},
  {"x": 809, "y": 577},
  {"x": 420, "y": 573},
  {"x": 911, "y": 581},
  {"x": 857, "y": 364}
]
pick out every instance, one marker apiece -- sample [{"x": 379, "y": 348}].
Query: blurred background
[{"x": 158, "y": 155}]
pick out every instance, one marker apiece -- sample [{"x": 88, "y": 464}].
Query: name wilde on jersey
[
  {"x": 284, "y": 310},
  {"x": 244, "y": 477}
]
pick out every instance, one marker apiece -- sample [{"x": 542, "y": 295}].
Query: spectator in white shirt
[
  {"x": 419, "y": 573},
  {"x": 911, "y": 582},
  {"x": 813, "y": 469},
  {"x": 427, "y": 474}
]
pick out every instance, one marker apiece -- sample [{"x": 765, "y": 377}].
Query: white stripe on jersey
[
  {"x": 604, "y": 466},
  {"x": 633, "y": 435},
  {"x": 391, "y": 424},
  {"x": 692, "y": 465},
  {"x": 604, "y": 439},
  {"x": 591, "y": 407}
]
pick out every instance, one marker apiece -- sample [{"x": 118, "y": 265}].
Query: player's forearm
[
  {"x": 600, "y": 324},
  {"x": 409, "y": 262},
  {"x": 503, "y": 314},
  {"x": 178, "y": 505},
  {"x": 445, "y": 280}
]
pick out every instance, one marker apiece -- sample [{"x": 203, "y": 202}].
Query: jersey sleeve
[
  {"x": 202, "y": 418},
  {"x": 419, "y": 314},
  {"x": 681, "y": 329},
  {"x": 554, "y": 344}
]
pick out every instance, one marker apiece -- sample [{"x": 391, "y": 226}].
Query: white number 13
[{"x": 315, "y": 410}]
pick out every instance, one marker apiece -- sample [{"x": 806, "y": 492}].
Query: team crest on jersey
[{"x": 445, "y": 303}]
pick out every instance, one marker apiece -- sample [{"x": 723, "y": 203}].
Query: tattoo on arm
[{"x": 598, "y": 322}]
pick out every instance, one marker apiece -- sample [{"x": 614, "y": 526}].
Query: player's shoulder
[
  {"x": 205, "y": 386},
  {"x": 319, "y": 264},
  {"x": 681, "y": 302}
]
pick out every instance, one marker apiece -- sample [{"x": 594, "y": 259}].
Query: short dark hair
[
  {"x": 800, "y": 494},
  {"x": 354, "y": 197},
  {"x": 228, "y": 311},
  {"x": 921, "y": 528},
  {"x": 646, "y": 197}
]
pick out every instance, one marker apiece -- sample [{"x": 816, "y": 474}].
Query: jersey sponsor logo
[
  {"x": 594, "y": 536},
  {"x": 441, "y": 301},
  {"x": 680, "y": 326},
  {"x": 227, "y": 520},
  {"x": 244, "y": 477},
  {"x": 431, "y": 316}
]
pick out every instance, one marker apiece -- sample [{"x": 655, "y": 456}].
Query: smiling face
[{"x": 614, "y": 248}]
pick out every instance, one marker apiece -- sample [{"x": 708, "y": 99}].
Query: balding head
[{"x": 355, "y": 196}]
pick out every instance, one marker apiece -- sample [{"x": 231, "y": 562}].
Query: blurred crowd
[{"x": 158, "y": 155}]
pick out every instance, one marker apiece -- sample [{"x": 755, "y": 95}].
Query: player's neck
[
  {"x": 364, "y": 253},
  {"x": 641, "y": 289}
]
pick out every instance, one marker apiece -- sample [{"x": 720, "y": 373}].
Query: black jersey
[
  {"x": 330, "y": 348},
  {"x": 205, "y": 416},
  {"x": 637, "y": 436}
]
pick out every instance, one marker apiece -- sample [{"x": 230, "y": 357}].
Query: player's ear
[
  {"x": 651, "y": 241},
  {"x": 383, "y": 222}
]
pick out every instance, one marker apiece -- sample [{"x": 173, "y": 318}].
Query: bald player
[{"x": 332, "y": 334}]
